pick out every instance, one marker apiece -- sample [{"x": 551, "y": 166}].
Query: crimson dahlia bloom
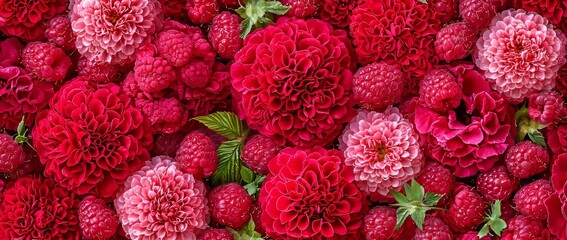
[
  {"x": 26, "y": 19},
  {"x": 311, "y": 195},
  {"x": 293, "y": 81},
  {"x": 556, "y": 204},
  {"x": 38, "y": 208},
  {"x": 91, "y": 138}
]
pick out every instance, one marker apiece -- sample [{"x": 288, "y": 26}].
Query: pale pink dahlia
[
  {"x": 520, "y": 53},
  {"x": 382, "y": 149},
  {"x": 162, "y": 202},
  {"x": 111, "y": 30}
]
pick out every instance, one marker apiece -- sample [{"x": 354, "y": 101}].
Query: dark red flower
[
  {"x": 37, "y": 208},
  {"x": 337, "y": 12},
  {"x": 554, "y": 10},
  {"x": 556, "y": 204},
  {"x": 26, "y": 19},
  {"x": 91, "y": 138},
  {"x": 293, "y": 81},
  {"x": 561, "y": 79},
  {"x": 311, "y": 195}
]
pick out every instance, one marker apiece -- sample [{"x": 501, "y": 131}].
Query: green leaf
[
  {"x": 226, "y": 124},
  {"x": 537, "y": 138},
  {"x": 414, "y": 192},
  {"x": 247, "y": 174},
  {"x": 483, "y": 231},
  {"x": 400, "y": 198},
  {"x": 401, "y": 216},
  {"x": 431, "y": 199},
  {"x": 248, "y": 232},
  {"x": 228, "y": 169},
  {"x": 495, "y": 210},
  {"x": 418, "y": 217},
  {"x": 497, "y": 226},
  {"x": 493, "y": 221},
  {"x": 275, "y": 7},
  {"x": 423, "y": 1}
]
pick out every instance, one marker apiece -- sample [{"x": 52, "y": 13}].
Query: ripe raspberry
[
  {"x": 202, "y": 11},
  {"x": 529, "y": 199},
  {"x": 224, "y": 34},
  {"x": 466, "y": 209},
  {"x": 478, "y": 13},
  {"x": 257, "y": 218},
  {"x": 215, "y": 234},
  {"x": 434, "y": 228},
  {"x": 455, "y": 41},
  {"x": 447, "y": 10},
  {"x": 522, "y": 227},
  {"x": 472, "y": 235},
  {"x": 46, "y": 61},
  {"x": 546, "y": 107},
  {"x": 436, "y": 179},
  {"x": 175, "y": 46},
  {"x": 167, "y": 144},
  {"x": 167, "y": 115},
  {"x": 496, "y": 184},
  {"x": 153, "y": 74},
  {"x": 98, "y": 221},
  {"x": 508, "y": 211},
  {"x": 258, "y": 151},
  {"x": 232, "y": 3},
  {"x": 230, "y": 205},
  {"x": 526, "y": 159},
  {"x": 196, "y": 74},
  {"x": 11, "y": 154},
  {"x": 378, "y": 85},
  {"x": 58, "y": 31},
  {"x": 197, "y": 155},
  {"x": 301, "y": 8},
  {"x": 439, "y": 90},
  {"x": 100, "y": 72},
  {"x": 379, "y": 223}
]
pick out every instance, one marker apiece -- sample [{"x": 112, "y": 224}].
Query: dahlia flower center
[
  {"x": 376, "y": 150},
  {"x": 167, "y": 207},
  {"x": 520, "y": 50},
  {"x": 42, "y": 218},
  {"x": 462, "y": 115}
]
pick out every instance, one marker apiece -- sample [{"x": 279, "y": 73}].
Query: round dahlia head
[
  {"x": 377, "y": 86},
  {"x": 520, "y": 54},
  {"x": 412, "y": 44},
  {"x": 111, "y": 31},
  {"x": 161, "y": 202},
  {"x": 561, "y": 79},
  {"x": 10, "y": 50},
  {"x": 27, "y": 19},
  {"x": 471, "y": 137},
  {"x": 91, "y": 138},
  {"x": 46, "y": 61},
  {"x": 554, "y": 10},
  {"x": 556, "y": 204},
  {"x": 334, "y": 208},
  {"x": 547, "y": 107},
  {"x": 38, "y": 208},
  {"x": 21, "y": 96},
  {"x": 382, "y": 149},
  {"x": 174, "y": 9},
  {"x": 447, "y": 10},
  {"x": 338, "y": 12},
  {"x": 293, "y": 81}
]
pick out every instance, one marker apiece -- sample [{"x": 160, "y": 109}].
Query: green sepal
[
  {"x": 415, "y": 204},
  {"x": 493, "y": 221},
  {"x": 259, "y": 13},
  {"x": 247, "y": 232}
]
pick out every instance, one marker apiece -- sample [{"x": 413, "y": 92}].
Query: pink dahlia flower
[
  {"x": 311, "y": 195},
  {"x": 161, "y": 202},
  {"x": 293, "y": 81},
  {"x": 471, "y": 137},
  {"x": 520, "y": 53},
  {"x": 382, "y": 149},
  {"x": 112, "y": 30}
]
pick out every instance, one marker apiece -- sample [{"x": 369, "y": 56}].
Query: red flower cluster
[
  {"x": 293, "y": 81},
  {"x": 311, "y": 195},
  {"x": 556, "y": 204},
  {"x": 26, "y": 19},
  {"x": 92, "y": 138}
]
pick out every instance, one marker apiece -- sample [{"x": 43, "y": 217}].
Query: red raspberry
[
  {"x": 436, "y": 178},
  {"x": 379, "y": 223},
  {"x": 46, "y": 61},
  {"x": 58, "y": 31},
  {"x": 224, "y": 34},
  {"x": 100, "y": 72},
  {"x": 97, "y": 220},
  {"x": 434, "y": 228},
  {"x": 455, "y": 41},
  {"x": 230, "y": 205},
  {"x": 530, "y": 199},
  {"x": 167, "y": 144},
  {"x": 472, "y": 235},
  {"x": 523, "y": 228},
  {"x": 301, "y": 8},
  {"x": 202, "y": 11},
  {"x": 215, "y": 234},
  {"x": 496, "y": 184},
  {"x": 196, "y": 74},
  {"x": 478, "y": 13},
  {"x": 11, "y": 154},
  {"x": 508, "y": 211},
  {"x": 175, "y": 46},
  {"x": 197, "y": 155},
  {"x": 258, "y": 151},
  {"x": 378, "y": 85},
  {"x": 447, "y": 10},
  {"x": 466, "y": 209},
  {"x": 257, "y": 218},
  {"x": 547, "y": 107},
  {"x": 167, "y": 115},
  {"x": 526, "y": 159},
  {"x": 440, "y": 91},
  {"x": 153, "y": 74}
]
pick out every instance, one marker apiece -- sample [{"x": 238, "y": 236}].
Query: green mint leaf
[
  {"x": 246, "y": 27},
  {"x": 418, "y": 217},
  {"x": 275, "y": 7},
  {"x": 226, "y": 124},
  {"x": 401, "y": 216},
  {"x": 496, "y": 212},
  {"x": 497, "y": 226},
  {"x": 431, "y": 199},
  {"x": 260, "y": 179},
  {"x": 229, "y": 165},
  {"x": 247, "y": 174},
  {"x": 400, "y": 198},
  {"x": 483, "y": 231},
  {"x": 414, "y": 192},
  {"x": 241, "y": 11},
  {"x": 493, "y": 221},
  {"x": 537, "y": 138},
  {"x": 251, "y": 188}
]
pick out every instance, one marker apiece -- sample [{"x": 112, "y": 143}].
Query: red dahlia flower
[
  {"x": 91, "y": 138},
  {"x": 398, "y": 31},
  {"x": 554, "y": 10},
  {"x": 311, "y": 195},
  {"x": 556, "y": 204},
  {"x": 561, "y": 80},
  {"x": 337, "y": 12},
  {"x": 38, "y": 208},
  {"x": 26, "y": 19},
  {"x": 293, "y": 81}
]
